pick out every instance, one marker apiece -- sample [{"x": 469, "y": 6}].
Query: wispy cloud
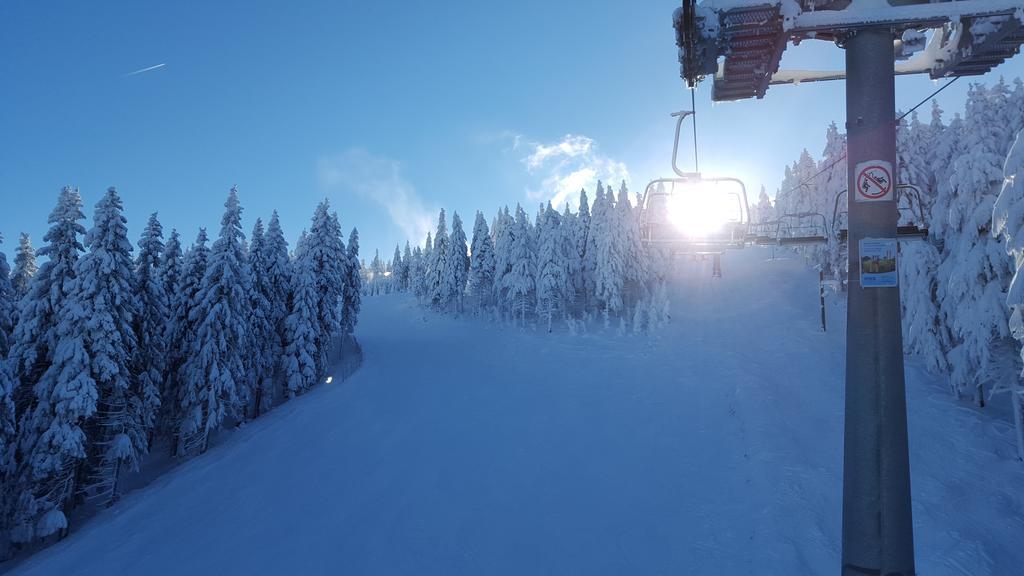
[
  {"x": 565, "y": 166},
  {"x": 379, "y": 179},
  {"x": 147, "y": 69}
]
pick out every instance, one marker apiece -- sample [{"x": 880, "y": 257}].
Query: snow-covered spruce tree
[
  {"x": 503, "y": 234},
  {"x": 634, "y": 256},
  {"x": 438, "y": 265},
  {"x": 554, "y": 282},
  {"x": 182, "y": 329},
  {"x": 376, "y": 275},
  {"x": 405, "y": 271},
  {"x": 829, "y": 184},
  {"x": 150, "y": 323},
  {"x": 329, "y": 263},
  {"x": 24, "y": 266},
  {"x": 396, "y": 267},
  {"x": 302, "y": 329},
  {"x": 520, "y": 281},
  {"x": 598, "y": 226},
  {"x": 352, "y": 299},
  {"x": 609, "y": 265},
  {"x": 213, "y": 377},
  {"x": 35, "y": 333},
  {"x": 8, "y": 446},
  {"x": 582, "y": 279},
  {"x": 81, "y": 426},
  {"x": 457, "y": 267},
  {"x": 7, "y": 303},
  {"x": 279, "y": 277},
  {"x": 975, "y": 269},
  {"x": 264, "y": 345},
  {"x": 418, "y": 275},
  {"x": 107, "y": 295},
  {"x": 1008, "y": 222},
  {"x": 171, "y": 269},
  {"x": 481, "y": 267}
]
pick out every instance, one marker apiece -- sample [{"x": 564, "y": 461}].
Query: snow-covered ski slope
[{"x": 462, "y": 447}]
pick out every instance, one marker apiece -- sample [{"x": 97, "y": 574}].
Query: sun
[{"x": 702, "y": 211}]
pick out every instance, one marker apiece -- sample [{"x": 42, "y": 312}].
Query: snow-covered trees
[
  {"x": 262, "y": 332},
  {"x": 150, "y": 362},
  {"x": 481, "y": 267},
  {"x": 1008, "y": 222},
  {"x": 438, "y": 267},
  {"x": 456, "y": 266},
  {"x": 351, "y": 301},
  {"x": 215, "y": 385},
  {"x": 519, "y": 283},
  {"x": 7, "y": 303},
  {"x": 554, "y": 282},
  {"x": 35, "y": 334},
  {"x": 302, "y": 328},
  {"x": 111, "y": 355},
  {"x": 24, "y": 266}
]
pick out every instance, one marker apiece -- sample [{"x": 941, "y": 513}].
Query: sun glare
[{"x": 701, "y": 212}]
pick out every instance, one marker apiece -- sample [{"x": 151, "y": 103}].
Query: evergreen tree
[
  {"x": 353, "y": 286},
  {"x": 182, "y": 329},
  {"x": 150, "y": 363},
  {"x": 405, "y": 271},
  {"x": 975, "y": 270},
  {"x": 520, "y": 281},
  {"x": 279, "y": 277},
  {"x": 302, "y": 329},
  {"x": 171, "y": 270},
  {"x": 35, "y": 334},
  {"x": 481, "y": 268},
  {"x": 632, "y": 250},
  {"x": 457, "y": 267},
  {"x": 438, "y": 265},
  {"x": 107, "y": 294},
  {"x": 418, "y": 273},
  {"x": 213, "y": 375},
  {"x": 329, "y": 263},
  {"x": 265, "y": 351},
  {"x": 582, "y": 279},
  {"x": 609, "y": 266},
  {"x": 503, "y": 259},
  {"x": 1008, "y": 222},
  {"x": 24, "y": 266},
  {"x": 7, "y": 302},
  {"x": 554, "y": 283}
]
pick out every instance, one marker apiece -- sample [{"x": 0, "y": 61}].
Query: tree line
[
  {"x": 108, "y": 356},
  {"x": 556, "y": 267}
]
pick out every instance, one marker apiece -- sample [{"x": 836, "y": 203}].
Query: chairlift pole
[{"x": 877, "y": 527}]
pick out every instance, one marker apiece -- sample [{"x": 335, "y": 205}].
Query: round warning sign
[{"x": 874, "y": 181}]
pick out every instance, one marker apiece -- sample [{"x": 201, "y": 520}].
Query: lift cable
[{"x": 843, "y": 156}]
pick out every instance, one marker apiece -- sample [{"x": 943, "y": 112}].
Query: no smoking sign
[{"x": 874, "y": 181}]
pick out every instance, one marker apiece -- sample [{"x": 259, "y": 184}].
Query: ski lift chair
[
  {"x": 693, "y": 214},
  {"x": 912, "y": 224}
]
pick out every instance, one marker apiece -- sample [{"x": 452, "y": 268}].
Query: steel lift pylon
[{"x": 739, "y": 44}]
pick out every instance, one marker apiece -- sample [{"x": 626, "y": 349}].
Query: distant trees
[
  {"x": 557, "y": 266},
  {"x": 103, "y": 355}
]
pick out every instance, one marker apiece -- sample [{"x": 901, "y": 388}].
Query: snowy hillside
[{"x": 461, "y": 447}]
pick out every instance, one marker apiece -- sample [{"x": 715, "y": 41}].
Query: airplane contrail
[{"x": 161, "y": 65}]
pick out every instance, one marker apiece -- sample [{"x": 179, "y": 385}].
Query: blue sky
[{"x": 391, "y": 110}]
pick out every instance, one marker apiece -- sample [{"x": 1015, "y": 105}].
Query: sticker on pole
[
  {"x": 874, "y": 181},
  {"x": 878, "y": 263}
]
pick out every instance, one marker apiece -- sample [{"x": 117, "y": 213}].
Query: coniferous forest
[{"x": 116, "y": 351}]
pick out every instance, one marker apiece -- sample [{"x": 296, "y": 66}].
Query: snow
[{"x": 463, "y": 447}]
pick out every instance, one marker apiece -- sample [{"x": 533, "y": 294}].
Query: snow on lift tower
[
  {"x": 691, "y": 213},
  {"x": 739, "y": 44}
]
